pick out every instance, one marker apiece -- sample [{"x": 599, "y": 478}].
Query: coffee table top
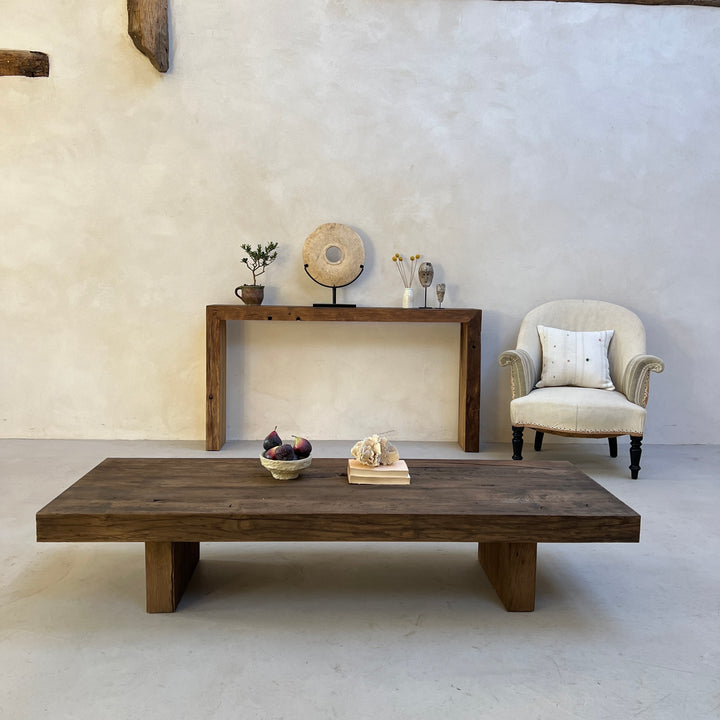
[{"x": 230, "y": 499}]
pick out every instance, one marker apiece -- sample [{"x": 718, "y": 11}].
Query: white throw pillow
[{"x": 575, "y": 358}]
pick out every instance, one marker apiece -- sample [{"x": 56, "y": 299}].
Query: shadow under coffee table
[{"x": 174, "y": 504}]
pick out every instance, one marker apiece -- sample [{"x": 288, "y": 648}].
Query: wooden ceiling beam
[
  {"x": 148, "y": 28},
  {"x": 26, "y": 63}
]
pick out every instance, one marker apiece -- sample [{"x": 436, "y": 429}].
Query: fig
[
  {"x": 271, "y": 440},
  {"x": 283, "y": 452},
  {"x": 301, "y": 447}
]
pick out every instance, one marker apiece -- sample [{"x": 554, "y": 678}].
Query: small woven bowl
[{"x": 285, "y": 469}]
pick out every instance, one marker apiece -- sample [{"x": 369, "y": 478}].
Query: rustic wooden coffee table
[{"x": 174, "y": 504}]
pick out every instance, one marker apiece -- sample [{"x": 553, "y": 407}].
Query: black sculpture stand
[{"x": 334, "y": 288}]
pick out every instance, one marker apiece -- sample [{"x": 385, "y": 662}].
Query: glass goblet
[{"x": 440, "y": 292}]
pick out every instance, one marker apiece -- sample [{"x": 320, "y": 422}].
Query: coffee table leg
[
  {"x": 511, "y": 569},
  {"x": 168, "y": 569}
]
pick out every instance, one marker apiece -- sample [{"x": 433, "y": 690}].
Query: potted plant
[{"x": 257, "y": 260}]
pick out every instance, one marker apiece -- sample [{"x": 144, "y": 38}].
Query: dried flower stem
[{"x": 407, "y": 275}]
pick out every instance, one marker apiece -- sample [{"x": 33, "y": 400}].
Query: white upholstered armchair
[{"x": 580, "y": 369}]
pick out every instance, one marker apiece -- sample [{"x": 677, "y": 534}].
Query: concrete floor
[{"x": 357, "y": 631}]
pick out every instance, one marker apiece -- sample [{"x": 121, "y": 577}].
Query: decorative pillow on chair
[{"x": 575, "y": 358}]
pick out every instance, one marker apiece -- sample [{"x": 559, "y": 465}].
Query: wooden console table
[{"x": 470, "y": 321}]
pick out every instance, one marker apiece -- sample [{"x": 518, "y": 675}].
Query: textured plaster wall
[{"x": 529, "y": 150}]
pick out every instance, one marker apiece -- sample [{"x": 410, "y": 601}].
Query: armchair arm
[
  {"x": 636, "y": 378},
  {"x": 522, "y": 371}
]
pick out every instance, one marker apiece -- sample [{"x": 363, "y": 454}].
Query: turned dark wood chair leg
[
  {"x": 612, "y": 442},
  {"x": 635, "y": 452},
  {"x": 538, "y": 440},
  {"x": 517, "y": 442}
]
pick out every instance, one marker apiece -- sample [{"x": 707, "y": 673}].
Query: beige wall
[{"x": 529, "y": 150}]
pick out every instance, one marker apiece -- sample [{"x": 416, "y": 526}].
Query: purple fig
[
  {"x": 302, "y": 447},
  {"x": 272, "y": 440},
  {"x": 284, "y": 452},
  {"x": 270, "y": 453}
]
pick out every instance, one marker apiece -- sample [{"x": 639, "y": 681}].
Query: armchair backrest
[{"x": 581, "y": 316}]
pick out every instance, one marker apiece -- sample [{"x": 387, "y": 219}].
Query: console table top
[{"x": 343, "y": 314}]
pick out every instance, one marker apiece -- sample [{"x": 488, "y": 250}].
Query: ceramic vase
[{"x": 251, "y": 294}]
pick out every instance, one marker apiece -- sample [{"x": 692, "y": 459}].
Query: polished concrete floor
[{"x": 357, "y": 631}]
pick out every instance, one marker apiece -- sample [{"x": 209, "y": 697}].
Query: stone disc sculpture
[{"x": 333, "y": 254}]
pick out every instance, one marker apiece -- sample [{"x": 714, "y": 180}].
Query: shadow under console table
[{"x": 470, "y": 321}]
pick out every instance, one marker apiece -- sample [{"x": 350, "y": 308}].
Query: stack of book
[{"x": 395, "y": 474}]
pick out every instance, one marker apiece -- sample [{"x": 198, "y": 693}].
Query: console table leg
[
  {"x": 510, "y": 567},
  {"x": 216, "y": 372},
  {"x": 469, "y": 399},
  {"x": 168, "y": 569}
]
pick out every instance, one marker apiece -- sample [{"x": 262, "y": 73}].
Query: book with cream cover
[{"x": 395, "y": 474}]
